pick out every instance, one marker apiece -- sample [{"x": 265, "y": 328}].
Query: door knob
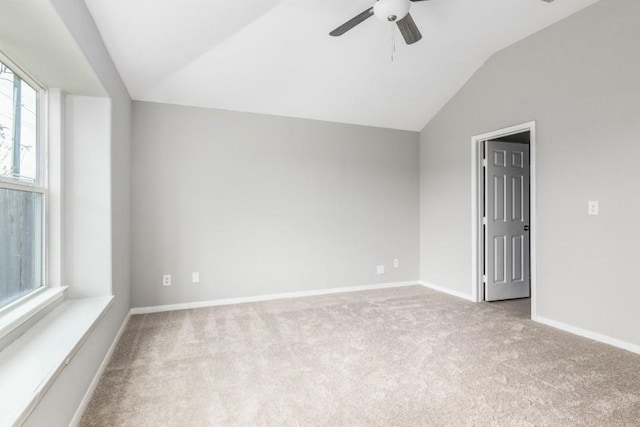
[{"x": 526, "y": 228}]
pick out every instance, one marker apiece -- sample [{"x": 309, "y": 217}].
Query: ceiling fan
[{"x": 387, "y": 11}]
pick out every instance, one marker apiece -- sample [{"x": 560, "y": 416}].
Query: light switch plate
[{"x": 593, "y": 207}]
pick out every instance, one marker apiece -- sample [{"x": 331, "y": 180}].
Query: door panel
[
  {"x": 517, "y": 198},
  {"x": 499, "y": 189},
  {"x": 507, "y": 262},
  {"x": 517, "y": 259},
  {"x": 500, "y": 259}
]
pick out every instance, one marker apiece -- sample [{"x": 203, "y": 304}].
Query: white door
[{"x": 506, "y": 238}]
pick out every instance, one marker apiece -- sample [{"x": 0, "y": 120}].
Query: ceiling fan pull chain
[{"x": 393, "y": 41}]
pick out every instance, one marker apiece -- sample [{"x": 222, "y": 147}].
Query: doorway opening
[{"x": 503, "y": 218}]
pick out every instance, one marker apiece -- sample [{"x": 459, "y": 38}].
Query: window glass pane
[
  {"x": 20, "y": 243},
  {"x": 18, "y": 128}
]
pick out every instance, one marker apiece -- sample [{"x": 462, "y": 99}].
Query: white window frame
[{"x": 20, "y": 314}]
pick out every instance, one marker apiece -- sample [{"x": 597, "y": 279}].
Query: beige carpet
[
  {"x": 394, "y": 357},
  {"x": 523, "y": 305}
]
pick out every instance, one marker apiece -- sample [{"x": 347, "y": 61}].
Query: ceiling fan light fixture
[{"x": 391, "y": 10}]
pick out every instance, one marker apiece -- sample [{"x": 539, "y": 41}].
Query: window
[{"x": 22, "y": 190}]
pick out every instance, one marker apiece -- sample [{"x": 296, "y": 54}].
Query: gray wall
[
  {"x": 62, "y": 399},
  {"x": 262, "y": 204},
  {"x": 579, "y": 81}
]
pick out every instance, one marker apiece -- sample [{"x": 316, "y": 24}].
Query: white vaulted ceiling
[{"x": 276, "y": 57}]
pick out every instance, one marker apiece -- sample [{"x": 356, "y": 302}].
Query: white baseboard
[
  {"x": 75, "y": 421},
  {"x": 230, "y": 301},
  {"x": 635, "y": 348},
  {"x": 448, "y": 291}
]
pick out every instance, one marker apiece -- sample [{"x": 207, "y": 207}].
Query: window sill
[
  {"x": 30, "y": 364},
  {"x": 19, "y": 315}
]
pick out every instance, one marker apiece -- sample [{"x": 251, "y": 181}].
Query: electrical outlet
[
  {"x": 195, "y": 277},
  {"x": 593, "y": 207},
  {"x": 166, "y": 280},
  {"x": 380, "y": 269},
  {"x": 396, "y": 263}
]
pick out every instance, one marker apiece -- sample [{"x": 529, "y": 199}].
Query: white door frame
[{"x": 477, "y": 248}]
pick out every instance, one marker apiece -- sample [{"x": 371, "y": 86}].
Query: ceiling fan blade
[
  {"x": 352, "y": 23},
  {"x": 409, "y": 29}
]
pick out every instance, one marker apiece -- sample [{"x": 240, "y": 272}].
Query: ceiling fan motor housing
[{"x": 391, "y": 10}]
